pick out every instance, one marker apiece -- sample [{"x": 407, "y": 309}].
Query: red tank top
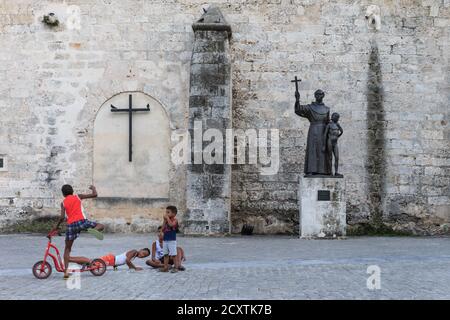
[{"x": 74, "y": 209}]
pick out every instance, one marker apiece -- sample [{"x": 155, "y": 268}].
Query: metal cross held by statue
[
  {"x": 296, "y": 83},
  {"x": 130, "y": 111}
]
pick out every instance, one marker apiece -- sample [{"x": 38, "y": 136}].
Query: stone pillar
[
  {"x": 208, "y": 194},
  {"x": 322, "y": 208}
]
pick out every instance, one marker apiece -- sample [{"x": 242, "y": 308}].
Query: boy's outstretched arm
[
  {"x": 130, "y": 255},
  {"x": 61, "y": 217},
  {"x": 93, "y": 194}
]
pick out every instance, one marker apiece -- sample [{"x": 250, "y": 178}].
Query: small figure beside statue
[{"x": 323, "y": 135}]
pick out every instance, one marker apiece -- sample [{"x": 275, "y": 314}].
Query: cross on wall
[{"x": 130, "y": 111}]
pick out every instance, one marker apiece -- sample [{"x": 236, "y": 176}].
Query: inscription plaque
[{"x": 323, "y": 195}]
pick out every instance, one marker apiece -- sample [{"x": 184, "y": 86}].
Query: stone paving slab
[{"x": 241, "y": 268}]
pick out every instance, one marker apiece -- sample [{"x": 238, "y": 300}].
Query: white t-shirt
[
  {"x": 159, "y": 251},
  {"x": 121, "y": 259}
]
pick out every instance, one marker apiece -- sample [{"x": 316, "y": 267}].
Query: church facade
[{"x": 104, "y": 93}]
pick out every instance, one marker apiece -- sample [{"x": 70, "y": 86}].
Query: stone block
[{"x": 322, "y": 208}]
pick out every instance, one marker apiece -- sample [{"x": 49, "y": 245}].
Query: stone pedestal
[{"x": 322, "y": 208}]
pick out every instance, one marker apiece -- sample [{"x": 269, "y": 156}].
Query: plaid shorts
[{"x": 74, "y": 229}]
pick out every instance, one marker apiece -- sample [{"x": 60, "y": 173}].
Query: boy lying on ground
[
  {"x": 157, "y": 260},
  {"x": 119, "y": 260}
]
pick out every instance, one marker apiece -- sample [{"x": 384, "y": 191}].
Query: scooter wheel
[
  {"x": 98, "y": 267},
  {"x": 42, "y": 269}
]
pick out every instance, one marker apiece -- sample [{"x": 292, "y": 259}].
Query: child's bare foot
[
  {"x": 164, "y": 270},
  {"x": 66, "y": 276},
  {"x": 95, "y": 233},
  {"x": 174, "y": 270}
]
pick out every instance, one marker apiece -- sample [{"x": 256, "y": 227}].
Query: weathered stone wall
[
  {"x": 208, "y": 180},
  {"x": 53, "y": 82},
  {"x": 391, "y": 88}
]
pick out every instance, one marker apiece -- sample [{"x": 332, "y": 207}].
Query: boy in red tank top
[{"x": 72, "y": 208}]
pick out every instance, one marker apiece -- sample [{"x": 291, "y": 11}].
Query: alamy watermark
[
  {"x": 229, "y": 146},
  {"x": 374, "y": 280},
  {"x": 74, "y": 281},
  {"x": 73, "y": 17}
]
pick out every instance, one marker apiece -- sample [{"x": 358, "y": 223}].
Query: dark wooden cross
[{"x": 130, "y": 111}]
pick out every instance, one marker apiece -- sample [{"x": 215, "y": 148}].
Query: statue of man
[{"x": 317, "y": 161}]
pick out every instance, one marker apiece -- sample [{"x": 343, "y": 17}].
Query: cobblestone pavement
[{"x": 241, "y": 268}]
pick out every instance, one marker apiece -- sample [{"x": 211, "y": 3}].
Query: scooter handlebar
[{"x": 52, "y": 234}]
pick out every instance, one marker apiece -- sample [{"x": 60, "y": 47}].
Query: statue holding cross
[{"x": 317, "y": 160}]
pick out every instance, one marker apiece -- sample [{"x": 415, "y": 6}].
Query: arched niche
[{"x": 147, "y": 175}]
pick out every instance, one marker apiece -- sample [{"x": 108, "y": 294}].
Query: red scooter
[{"x": 42, "y": 269}]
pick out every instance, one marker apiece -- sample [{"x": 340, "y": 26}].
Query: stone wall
[
  {"x": 55, "y": 79},
  {"x": 391, "y": 88}
]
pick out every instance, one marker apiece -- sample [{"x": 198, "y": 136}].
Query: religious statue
[
  {"x": 317, "y": 161},
  {"x": 332, "y": 132}
]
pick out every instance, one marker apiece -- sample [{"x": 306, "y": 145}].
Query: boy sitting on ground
[
  {"x": 76, "y": 220},
  {"x": 119, "y": 260},
  {"x": 157, "y": 260}
]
